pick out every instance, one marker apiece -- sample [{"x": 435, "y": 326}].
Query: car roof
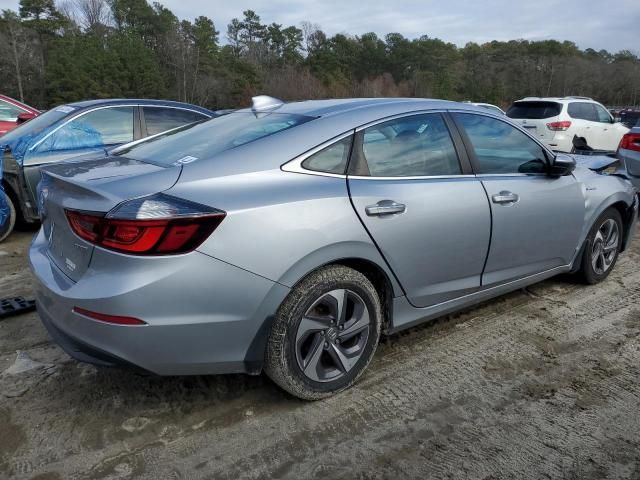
[
  {"x": 324, "y": 108},
  {"x": 18, "y": 103},
  {"x": 137, "y": 101},
  {"x": 556, "y": 99}
]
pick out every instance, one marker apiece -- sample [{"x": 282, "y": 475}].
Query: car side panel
[{"x": 282, "y": 225}]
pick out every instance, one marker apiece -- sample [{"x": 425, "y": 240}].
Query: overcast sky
[{"x": 610, "y": 24}]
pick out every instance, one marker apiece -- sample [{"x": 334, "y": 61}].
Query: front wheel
[
  {"x": 325, "y": 333},
  {"x": 602, "y": 247},
  {"x": 10, "y": 221}
]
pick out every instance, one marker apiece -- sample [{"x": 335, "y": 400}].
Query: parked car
[
  {"x": 488, "y": 106},
  {"x": 556, "y": 120},
  {"x": 629, "y": 117},
  {"x": 288, "y": 237},
  {"x": 77, "y": 129},
  {"x": 13, "y": 113},
  {"x": 629, "y": 152}
]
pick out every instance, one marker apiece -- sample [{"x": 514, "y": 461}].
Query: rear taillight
[
  {"x": 630, "y": 141},
  {"x": 559, "y": 126},
  {"x": 157, "y": 225}
]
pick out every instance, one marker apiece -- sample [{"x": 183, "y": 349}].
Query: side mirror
[
  {"x": 562, "y": 165},
  {"x": 25, "y": 117},
  {"x": 617, "y": 120}
]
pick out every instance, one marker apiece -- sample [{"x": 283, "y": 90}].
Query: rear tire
[
  {"x": 602, "y": 247},
  {"x": 325, "y": 333},
  {"x": 10, "y": 223}
]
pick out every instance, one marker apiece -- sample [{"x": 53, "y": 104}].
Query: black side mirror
[{"x": 562, "y": 165}]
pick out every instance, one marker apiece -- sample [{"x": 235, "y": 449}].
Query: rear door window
[
  {"x": 419, "y": 145},
  {"x": 161, "y": 119},
  {"x": 534, "y": 110},
  {"x": 102, "y": 127},
  {"x": 582, "y": 111}
]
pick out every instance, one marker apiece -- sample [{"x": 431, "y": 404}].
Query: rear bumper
[{"x": 203, "y": 315}]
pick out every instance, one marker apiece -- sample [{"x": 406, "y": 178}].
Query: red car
[{"x": 13, "y": 113}]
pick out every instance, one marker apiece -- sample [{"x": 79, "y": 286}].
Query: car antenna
[{"x": 265, "y": 103}]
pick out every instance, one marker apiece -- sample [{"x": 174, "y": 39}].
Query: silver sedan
[{"x": 287, "y": 238}]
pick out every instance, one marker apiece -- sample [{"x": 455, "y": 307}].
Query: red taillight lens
[
  {"x": 115, "y": 319},
  {"x": 559, "y": 126},
  {"x": 630, "y": 141},
  {"x": 183, "y": 231}
]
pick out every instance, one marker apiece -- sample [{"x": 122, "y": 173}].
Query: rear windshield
[
  {"x": 534, "y": 110},
  {"x": 205, "y": 139},
  {"x": 37, "y": 124}
]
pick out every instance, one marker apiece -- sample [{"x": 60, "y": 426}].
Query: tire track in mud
[{"x": 543, "y": 383}]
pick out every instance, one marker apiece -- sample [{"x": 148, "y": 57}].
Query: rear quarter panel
[{"x": 282, "y": 225}]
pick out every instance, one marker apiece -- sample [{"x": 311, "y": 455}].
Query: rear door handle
[
  {"x": 505, "y": 198},
  {"x": 385, "y": 207}
]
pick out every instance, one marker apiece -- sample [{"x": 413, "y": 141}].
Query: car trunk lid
[{"x": 95, "y": 186}]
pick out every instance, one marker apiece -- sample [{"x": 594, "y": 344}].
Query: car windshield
[
  {"x": 534, "y": 110},
  {"x": 205, "y": 139},
  {"x": 37, "y": 124}
]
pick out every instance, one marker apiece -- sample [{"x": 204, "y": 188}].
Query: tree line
[{"x": 79, "y": 49}]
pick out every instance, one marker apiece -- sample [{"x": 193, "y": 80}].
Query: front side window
[
  {"x": 105, "y": 126},
  {"x": 9, "y": 112},
  {"x": 332, "y": 159},
  {"x": 500, "y": 148},
  {"x": 602, "y": 114},
  {"x": 582, "y": 111},
  {"x": 419, "y": 145},
  {"x": 160, "y": 119}
]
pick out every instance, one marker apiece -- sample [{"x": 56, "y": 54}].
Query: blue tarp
[{"x": 4, "y": 208}]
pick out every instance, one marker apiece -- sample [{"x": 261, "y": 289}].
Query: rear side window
[
  {"x": 501, "y": 148},
  {"x": 204, "y": 140},
  {"x": 419, "y": 145},
  {"x": 332, "y": 159},
  {"x": 534, "y": 110},
  {"x": 582, "y": 111},
  {"x": 161, "y": 119},
  {"x": 105, "y": 126}
]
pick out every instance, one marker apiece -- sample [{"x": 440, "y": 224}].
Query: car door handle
[
  {"x": 385, "y": 207},
  {"x": 505, "y": 198}
]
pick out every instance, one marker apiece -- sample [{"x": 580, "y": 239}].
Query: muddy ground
[{"x": 542, "y": 383}]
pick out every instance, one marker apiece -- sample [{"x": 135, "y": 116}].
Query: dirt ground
[{"x": 542, "y": 383}]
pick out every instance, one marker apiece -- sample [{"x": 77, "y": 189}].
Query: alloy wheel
[
  {"x": 332, "y": 335},
  {"x": 605, "y": 246}
]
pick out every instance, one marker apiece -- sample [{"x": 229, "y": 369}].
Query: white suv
[{"x": 555, "y": 120}]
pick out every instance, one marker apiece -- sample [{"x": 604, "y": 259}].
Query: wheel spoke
[
  {"x": 311, "y": 362},
  {"x": 339, "y": 303},
  {"x": 309, "y": 325},
  {"x": 358, "y": 326},
  {"x": 343, "y": 362}
]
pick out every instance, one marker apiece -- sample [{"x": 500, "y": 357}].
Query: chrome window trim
[
  {"x": 177, "y": 108},
  {"x": 424, "y": 177},
  {"x": 295, "y": 165},
  {"x": 81, "y": 114}
]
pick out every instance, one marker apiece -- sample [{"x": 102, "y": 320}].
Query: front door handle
[
  {"x": 505, "y": 198},
  {"x": 385, "y": 207}
]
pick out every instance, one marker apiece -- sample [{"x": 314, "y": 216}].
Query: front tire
[
  {"x": 9, "y": 223},
  {"x": 602, "y": 247},
  {"x": 325, "y": 333}
]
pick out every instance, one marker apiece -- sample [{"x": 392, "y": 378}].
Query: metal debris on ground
[{"x": 15, "y": 306}]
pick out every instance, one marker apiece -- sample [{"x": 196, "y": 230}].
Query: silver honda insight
[{"x": 289, "y": 237}]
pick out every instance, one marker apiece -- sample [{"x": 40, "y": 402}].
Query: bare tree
[{"x": 93, "y": 13}]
